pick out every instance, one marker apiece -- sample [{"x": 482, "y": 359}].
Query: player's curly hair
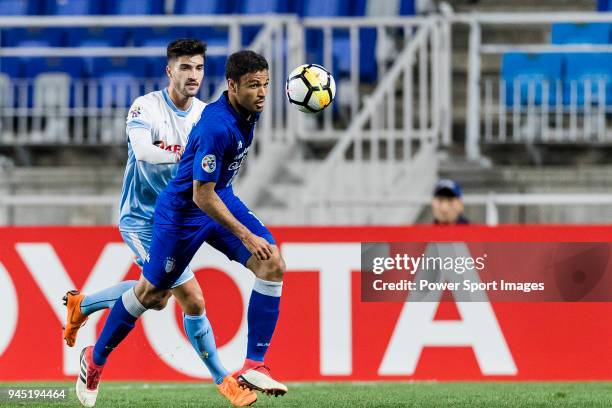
[
  {"x": 185, "y": 46},
  {"x": 244, "y": 62}
]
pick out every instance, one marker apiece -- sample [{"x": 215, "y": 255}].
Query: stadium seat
[
  {"x": 33, "y": 37},
  {"x": 11, "y": 66},
  {"x": 97, "y": 36},
  {"x": 262, "y": 6},
  {"x": 212, "y": 36},
  {"x": 72, "y": 7},
  {"x": 157, "y": 36},
  {"x": 323, "y": 8},
  {"x": 67, "y": 67},
  {"x": 120, "y": 79},
  {"x": 202, "y": 7},
  {"x": 214, "y": 67},
  {"x": 135, "y": 66},
  {"x": 367, "y": 54},
  {"x": 581, "y": 67},
  {"x": 71, "y": 66},
  {"x": 526, "y": 69},
  {"x": 19, "y": 7},
  {"x": 156, "y": 67},
  {"x": 259, "y": 7},
  {"x": 135, "y": 7},
  {"x": 603, "y": 5},
  {"x": 572, "y": 33}
]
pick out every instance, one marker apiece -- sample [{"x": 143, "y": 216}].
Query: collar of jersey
[
  {"x": 181, "y": 113},
  {"x": 225, "y": 100}
]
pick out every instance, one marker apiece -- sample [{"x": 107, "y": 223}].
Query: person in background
[{"x": 447, "y": 203}]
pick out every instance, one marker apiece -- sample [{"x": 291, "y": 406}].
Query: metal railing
[
  {"x": 378, "y": 152},
  {"x": 508, "y": 119},
  {"x": 57, "y": 109},
  {"x": 492, "y": 203}
]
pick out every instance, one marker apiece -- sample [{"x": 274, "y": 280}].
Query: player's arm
[
  {"x": 139, "y": 122},
  {"x": 207, "y": 199},
  {"x": 144, "y": 150}
]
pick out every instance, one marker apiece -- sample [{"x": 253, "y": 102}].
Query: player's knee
[
  {"x": 193, "y": 305},
  {"x": 273, "y": 269},
  {"x": 155, "y": 300}
]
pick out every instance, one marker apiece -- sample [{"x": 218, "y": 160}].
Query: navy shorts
[{"x": 175, "y": 243}]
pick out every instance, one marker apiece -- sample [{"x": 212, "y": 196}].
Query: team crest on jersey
[
  {"x": 209, "y": 163},
  {"x": 135, "y": 112},
  {"x": 169, "y": 265}
]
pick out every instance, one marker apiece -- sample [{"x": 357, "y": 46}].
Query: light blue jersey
[{"x": 142, "y": 181}]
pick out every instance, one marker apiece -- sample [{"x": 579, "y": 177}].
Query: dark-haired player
[{"x": 158, "y": 124}]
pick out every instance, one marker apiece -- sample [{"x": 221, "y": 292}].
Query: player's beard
[{"x": 189, "y": 93}]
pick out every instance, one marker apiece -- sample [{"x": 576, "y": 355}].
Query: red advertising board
[{"x": 325, "y": 331}]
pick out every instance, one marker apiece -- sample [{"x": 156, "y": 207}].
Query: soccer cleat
[
  {"x": 238, "y": 396},
  {"x": 75, "y": 319},
  {"x": 89, "y": 378},
  {"x": 256, "y": 376}
]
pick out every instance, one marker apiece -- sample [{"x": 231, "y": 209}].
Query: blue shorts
[
  {"x": 177, "y": 238},
  {"x": 140, "y": 242}
]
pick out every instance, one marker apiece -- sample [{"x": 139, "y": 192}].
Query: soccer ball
[{"x": 310, "y": 88}]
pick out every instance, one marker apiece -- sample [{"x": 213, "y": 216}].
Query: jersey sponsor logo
[
  {"x": 241, "y": 155},
  {"x": 135, "y": 112},
  {"x": 169, "y": 265},
  {"x": 235, "y": 165},
  {"x": 170, "y": 148},
  {"x": 209, "y": 163},
  {"x": 240, "y": 144}
]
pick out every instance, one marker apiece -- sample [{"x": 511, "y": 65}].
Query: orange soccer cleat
[
  {"x": 238, "y": 396},
  {"x": 75, "y": 319}
]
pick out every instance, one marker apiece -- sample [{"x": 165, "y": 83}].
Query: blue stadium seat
[
  {"x": 202, "y": 7},
  {"x": 97, "y": 37},
  {"x": 212, "y": 36},
  {"x": 367, "y": 55},
  {"x": 11, "y": 66},
  {"x": 594, "y": 67},
  {"x": 19, "y": 7},
  {"x": 72, "y": 7},
  {"x": 262, "y": 6},
  {"x": 72, "y": 66},
  {"x": 407, "y": 7},
  {"x": 526, "y": 69},
  {"x": 33, "y": 37},
  {"x": 214, "y": 67},
  {"x": 603, "y": 5},
  {"x": 259, "y": 7},
  {"x": 118, "y": 74},
  {"x": 571, "y": 33},
  {"x": 156, "y": 67},
  {"x": 135, "y": 66},
  {"x": 157, "y": 36},
  {"x": 135, "y": 7},
  {"x": 323, "y": 8}
]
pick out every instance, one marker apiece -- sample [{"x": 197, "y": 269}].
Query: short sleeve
[
  {"x": 139, "y": 115},
  {"x": 212, "y": 142}
]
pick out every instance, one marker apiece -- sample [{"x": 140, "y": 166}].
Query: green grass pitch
[{"x": 388, "y": 394}]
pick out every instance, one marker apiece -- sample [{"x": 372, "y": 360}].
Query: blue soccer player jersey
[{"x": 217, "y": 147}]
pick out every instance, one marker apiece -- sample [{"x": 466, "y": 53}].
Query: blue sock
[
  {"x": 200, "y": 334},
  {"x": 120, "y": 322},
  {"x": 262, "y": 316},
  {"x": 105, "y": 298}
]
